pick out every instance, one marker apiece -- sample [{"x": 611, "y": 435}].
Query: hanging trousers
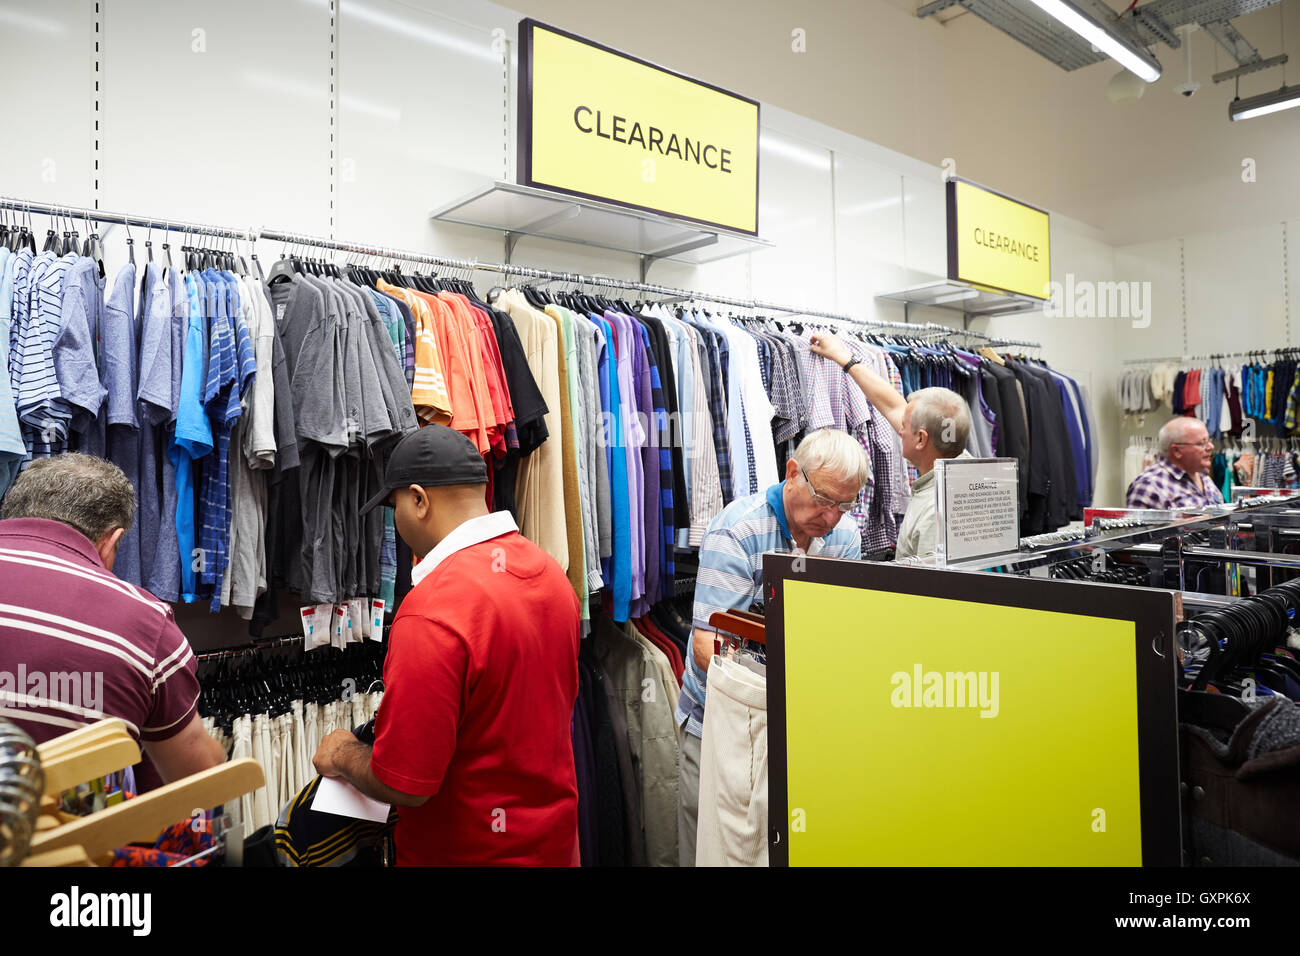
[{"x": 732, "y": 826}]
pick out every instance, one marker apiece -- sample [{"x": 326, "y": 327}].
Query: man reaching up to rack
[
  {"x": 1180, "y": 478},
  {"x": 933, "y": 423},
  {"x": 472, "y": 740}
]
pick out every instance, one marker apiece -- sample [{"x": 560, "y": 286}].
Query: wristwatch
[{"x": 849, "y": 364}]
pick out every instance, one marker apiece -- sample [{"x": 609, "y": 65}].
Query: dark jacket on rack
[
  {"x": 1051, "y": 460},
  {"x": 1241, "y": 768},
  {"x": 1013, "y": 429}
]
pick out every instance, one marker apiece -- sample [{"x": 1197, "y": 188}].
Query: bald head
[
  {"x": 1185, "y": 442},
  {"x": 1184, "y": 428}
]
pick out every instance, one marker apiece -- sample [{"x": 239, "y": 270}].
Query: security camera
[{"x": 1188, "y": 89}]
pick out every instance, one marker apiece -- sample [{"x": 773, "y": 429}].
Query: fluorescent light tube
[
  {"x": 1132, "y": 57},
  {"x": 1264, "y": 103}
]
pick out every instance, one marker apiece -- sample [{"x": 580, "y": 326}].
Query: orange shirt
[
  {"x": 492, "y": 416},
  {"x": 429, "y": 391},
  {"x": 467, "y": 399},
  {"x": 485, "y": 340}
]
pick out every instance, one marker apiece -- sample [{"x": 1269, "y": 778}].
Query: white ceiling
[{"x": 1163, "y": 166}]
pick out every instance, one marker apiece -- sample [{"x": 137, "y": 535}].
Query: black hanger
[{"x": 282, "y": 271}]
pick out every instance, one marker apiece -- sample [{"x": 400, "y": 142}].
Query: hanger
[
  {"x": 283, "y": 270},
  {"x": 143, "y": 818}
]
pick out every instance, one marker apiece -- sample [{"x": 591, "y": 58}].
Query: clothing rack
[
  {"x": 1207, "y": 357},
  {"x": 469, "y": 265},
  {"x": 250, "y": 648}
]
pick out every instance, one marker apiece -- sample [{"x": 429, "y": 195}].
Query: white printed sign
[{"x": 979, "y": 507}]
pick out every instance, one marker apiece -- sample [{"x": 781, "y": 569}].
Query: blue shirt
[
  {"x": 156, "y": 494},
  {"x": 119, "y": 374},
  {"x": 193, "y": 436},
  {"x": 731, "y": 573},
  {"x": 12, "y": 449},
  {"x": 221, "y": 399},
  {"x": 619, "y": 572},
  {"x": 74, "y": 350}
]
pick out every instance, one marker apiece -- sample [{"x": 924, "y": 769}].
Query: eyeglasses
[
  {"x": 1206, "y": 442},
  {"x": 821, "y": 501}
]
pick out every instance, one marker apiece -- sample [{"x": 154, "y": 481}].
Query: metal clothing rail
[
  {"x": 473, "y": 265},
  {"x": 1207, "y": 357},
  {"x": 145, "y": 222}
]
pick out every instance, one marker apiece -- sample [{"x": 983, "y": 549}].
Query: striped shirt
[
  {"x": 43, "y": 414},
  {"x": 731, "y": 573},
  {"x": 221, "y": 399},
  {"x": 78, "y": 645}
]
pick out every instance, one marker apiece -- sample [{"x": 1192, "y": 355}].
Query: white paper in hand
[{"x": 340, "y": 797}]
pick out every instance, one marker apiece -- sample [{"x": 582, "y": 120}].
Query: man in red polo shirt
[{"x": 472, "y": 740}]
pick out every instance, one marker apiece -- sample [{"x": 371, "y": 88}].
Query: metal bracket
[
  {"x": 648, "y": 259},
  {"x": 935, "y": 7},
  {"x": 1249, "y": 68}
]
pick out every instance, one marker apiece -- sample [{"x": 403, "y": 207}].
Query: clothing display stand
[
  {"x": 943, "y": 677},
  {"x": 105, "y": 747}
]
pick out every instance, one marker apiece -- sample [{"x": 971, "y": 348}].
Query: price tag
[
  {"x": 377, "y": 619},
  {"x": 340, "y": 625},
  {"x": 308, "y": 615},
  {"x": 358, "y": 619}
]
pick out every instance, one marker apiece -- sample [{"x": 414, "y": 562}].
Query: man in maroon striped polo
[{"x": 77, "y": 644}]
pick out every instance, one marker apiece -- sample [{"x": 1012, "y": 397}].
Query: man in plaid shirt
[{"x": 1180, "y": 478}]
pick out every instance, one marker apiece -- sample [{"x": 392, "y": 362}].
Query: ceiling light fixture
[
  {"x": 1119, "y": 48},
  {"x": 1252, "y": 106},
  {"x": 1263, "y": 104}
]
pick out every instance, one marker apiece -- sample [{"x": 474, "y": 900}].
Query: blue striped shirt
[
  {"x": 12, "y": 449},
  {"x": 221, "y": 399},
  {"x": 731, "y": 573}
]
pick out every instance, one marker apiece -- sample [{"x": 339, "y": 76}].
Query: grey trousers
[{"x": 688, "y": 798}]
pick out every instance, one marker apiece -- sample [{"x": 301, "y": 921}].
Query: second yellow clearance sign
[
  {"x": 597, "y": 123},
  {"x": 997, "y": 242}
]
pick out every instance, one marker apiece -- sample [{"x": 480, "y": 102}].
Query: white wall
[{"x": 225, "y": 115}]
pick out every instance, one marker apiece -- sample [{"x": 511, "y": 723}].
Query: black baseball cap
[{"x": 434, "y": 455}]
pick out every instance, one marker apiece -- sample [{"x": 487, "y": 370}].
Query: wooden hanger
[
  {"x": 991, "y": 355},
  {"x": 109, "y": 728},
  {"x": 751, "y": 627},
  {"x": 106, "y": 747},
  {"x": 142, "y": 819},
  {"x": 101, "y": 756}
]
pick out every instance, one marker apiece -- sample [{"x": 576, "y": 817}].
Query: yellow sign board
[
  {"x": 600, "y": 124},
  {"x": 912, "y": 739},
  {"x": 998, "y": 242}
]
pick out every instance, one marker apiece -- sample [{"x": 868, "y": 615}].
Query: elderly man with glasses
[
  {"x": 1180, "y": 477},
  {"x": 807, "y": 513}
]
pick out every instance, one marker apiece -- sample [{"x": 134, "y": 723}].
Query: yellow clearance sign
[
  {"x": 596, "y": 123},
  {"x": 997, "y": 242},
  {"x": 910, "y": 744}
]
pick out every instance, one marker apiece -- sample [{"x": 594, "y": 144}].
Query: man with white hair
[
  {"x": 807, "y": 513},
  {"x": 933, "y": 423},
  {"x": 1180, "y": 477}
]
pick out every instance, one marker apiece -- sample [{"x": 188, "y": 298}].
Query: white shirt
[{"x": 467, "y": 534}]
